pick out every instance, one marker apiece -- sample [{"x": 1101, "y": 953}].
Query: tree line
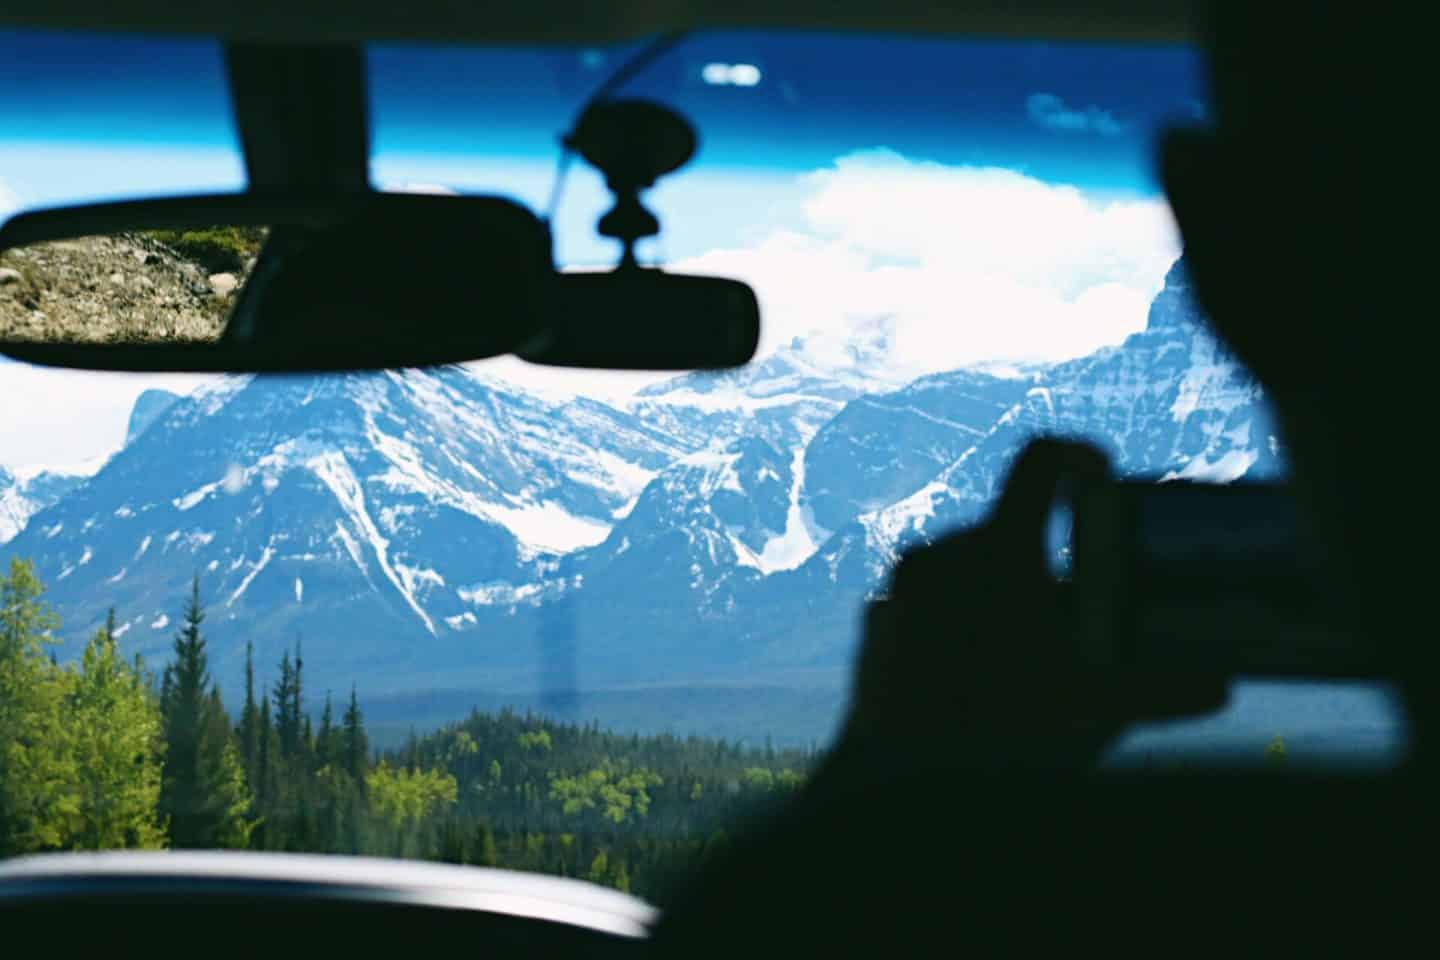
[{"x": 103, "y": 753}]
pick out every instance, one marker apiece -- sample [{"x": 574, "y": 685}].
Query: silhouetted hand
[{"x": 977, "y": 646}]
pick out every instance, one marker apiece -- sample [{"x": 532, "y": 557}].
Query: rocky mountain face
[
  {"x": 21, "y": 497},
  {"x": 440, "y": 529},
  {"x": 348, "y": 511},
  {"x": 1168, "y": 402}
]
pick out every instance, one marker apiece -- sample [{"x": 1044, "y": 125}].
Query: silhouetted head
[{"x": 1299, "y": 210}]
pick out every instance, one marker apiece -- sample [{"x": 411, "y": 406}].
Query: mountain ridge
[{"x": 448, "y": 526}]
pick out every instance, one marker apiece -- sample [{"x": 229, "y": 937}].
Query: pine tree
[
  {"x": 250, "y": 721},
  {"x": 203, "y": 793},
  {"x": 454, "y": 845},
  {"x": 324, "y": 743},
  {"x": 355, "y": 758},
  {"x": 267, "y": 781},
  {"x": 482, "y": 846},
  {"x": 303, "y": 739},
  {"x": 117, "y": 743},
  {"x": 287, "y": 726},
  {"x": 38, "y": 802},
  {"x": 357, "y": 745}
]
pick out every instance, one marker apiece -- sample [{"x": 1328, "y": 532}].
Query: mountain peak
[
  {"x": 148, "y": 406},
  {"x": 1174, "y": 306}
]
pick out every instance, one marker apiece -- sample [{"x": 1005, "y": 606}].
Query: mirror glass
[
  {"x": 279, "y": 284},
  {"x": 135, "y": 287}
]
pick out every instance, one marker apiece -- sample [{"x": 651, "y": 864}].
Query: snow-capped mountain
[
  {"x": 148, "y": 406},
  {"x": 782, "y": 399},
  {"x": 352, "y": 511},
  {"x": 882, "y": 447},
  {"x": 1168, "y": 402},
  {"x": 442, "y": 529},
  {"x": 25, "y": 494}
]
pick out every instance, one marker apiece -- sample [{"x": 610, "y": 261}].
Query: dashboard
[{"x": 184, "y": 902}]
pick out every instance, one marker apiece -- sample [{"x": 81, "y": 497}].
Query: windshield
[{"x": 580, "y": 622}]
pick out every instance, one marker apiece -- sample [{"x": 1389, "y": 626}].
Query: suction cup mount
[{"x": 633, "y": 143}]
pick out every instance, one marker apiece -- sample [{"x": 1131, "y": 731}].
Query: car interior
[{"x": 995, "y": 263}]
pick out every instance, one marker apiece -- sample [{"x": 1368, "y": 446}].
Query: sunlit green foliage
[
  {"x": 79, "y": 748},
  {"x": 117, "y": 738},
  {"x": 39, "y": 807},
  {"x": 91, "y": 756},
  {"x": 617, "y": 795},
  {"x": 406, "y": 797},
  {"x": 537, "y": 739},
  {"x": 217, "y": 249}
]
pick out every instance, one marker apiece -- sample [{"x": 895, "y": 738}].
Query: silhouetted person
[{"x": 957, "y": 810}]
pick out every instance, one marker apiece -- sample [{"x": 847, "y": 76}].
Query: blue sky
[
  {"x": 991, "y": 201},
  {"x": 87, "y": 118}
]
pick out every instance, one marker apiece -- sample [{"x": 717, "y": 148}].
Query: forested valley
[{"x": 109, "y": 753}]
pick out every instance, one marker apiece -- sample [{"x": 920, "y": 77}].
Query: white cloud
[
  {"x": 970, "y": 265},
  {"x": 559, "y": 384},
  {"x": 9, "y": 202},
  {"x": 1053, "y": 113},
  {"x": 957, "y": 265},
  {"x": 63, "y": 418}
]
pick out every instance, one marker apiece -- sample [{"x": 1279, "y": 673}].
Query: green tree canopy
[
  {"x": 115, "y": 723},
  {"x": 39, "y": 806}
]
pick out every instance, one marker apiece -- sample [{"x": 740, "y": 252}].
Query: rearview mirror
[
  {"x": 669, "y": 322},
  {"x": 359, "y": 282}
]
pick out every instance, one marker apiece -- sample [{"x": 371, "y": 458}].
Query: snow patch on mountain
[
  {"x": 418, "y": 579},
  {"x": 1231, "y": 466},
  {"x": 334, "y": 471},
  {"x": 886, "y": 529},
  {"x": 352, "y": 548},
  {"x": 25, "y": 491},
  {"x": 190, "y": 500},
  {"x": 209, "y": 398},
  {"x": 801, "y": 537},
  {"x": 266, "y": 556},
  {"x": 499, "y": 594},
  {"x": 548, "y": 528},
  {"x": 622, "y": 476},
  {"x": 714, "y": 470},
  {"x": 15, "y": 509}
]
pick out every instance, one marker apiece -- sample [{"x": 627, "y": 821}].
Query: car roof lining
[{"x": 572, "y": 22}]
